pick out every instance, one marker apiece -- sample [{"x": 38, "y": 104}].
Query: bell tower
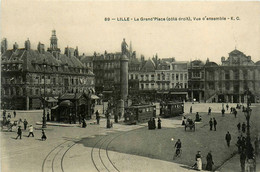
[{"x": 54, "y": 44}]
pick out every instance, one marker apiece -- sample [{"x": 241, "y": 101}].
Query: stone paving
[{"x": 61, "y": 151}]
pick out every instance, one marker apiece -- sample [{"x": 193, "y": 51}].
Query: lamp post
[
  {"x": 44, "y": 114},
  {"x": 103, "y": 99},
  {"x": 247, "y": 113}
]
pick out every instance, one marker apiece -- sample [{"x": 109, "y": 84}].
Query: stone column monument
[{"x": 123, "y": 77}]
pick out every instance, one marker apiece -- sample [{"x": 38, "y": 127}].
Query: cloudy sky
[{"x": 81, "y": 23}]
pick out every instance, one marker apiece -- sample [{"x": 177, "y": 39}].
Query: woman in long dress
[{"x": 198, "y": 164}]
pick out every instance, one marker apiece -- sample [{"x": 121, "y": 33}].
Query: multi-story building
[
  {"x": 196, "y": 80},
  {"x": 229, "y": 81},
  {"x": 162, "y": 79},
  {"x": 27, "y": 75}
]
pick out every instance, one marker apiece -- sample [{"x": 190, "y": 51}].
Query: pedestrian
[
  {"x": 48, "y": 116},
  {"x": 209, "y": 111},
  {"x": 231, "y": 110},
  {"x": 14, "y": 114},
  {"x": 150, "y": 124},
  {"x": 70, "y": 118},
  {"x": 243, "y": 144},
  {"x": 31, "y": 131},
  {"x": 20, "y": 121},
  {"x": 159, "y": 123},
  {"x": 183, "y": 120},
  {"x": 238, "y": 126},
  {"x": 25, "y": 123},
  {"x": 239, "y": 144},
  {"x": 198, "y": 117},
  {"x": 198, "y": 164},
  {"x": 43, "y": 136},
  {"x": 228, "y": 138},
  {"x": 4, "y": 113},
  {"x": 154, "y": 124},
  {"x": 210, "y": 123},
  {"x": 97, "y": 117},
  {"x": 242, "y": 161},
  {"x": 243, "y": 127},
  {"x": 116, "y": 118},
  {"x": 84, "y": 124},
  {"x": 191, "y": 109},
  {"x": 19, "y": 133},
  {"x": 256, "y": 145},
  {"x": 235, "y": 113},
  {"x": 215, "y": 124},
  {"x": 227, "y": 107},
  {"x": 9, "y": 116},
  {"x": 210, "y": 162},
  {"x": 223, "y": 112}
]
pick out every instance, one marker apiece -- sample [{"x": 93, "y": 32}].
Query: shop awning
[
  {"x": 66, "y": 103},
  {"x": 179, "y": 93},
  {"x": 163, "y": 92},
  {"x": 50, "y": 99},
  {"x": 108, "y": 92},
  {"x": 93, "y": 96},
  {"x": 55, "y": 107}
]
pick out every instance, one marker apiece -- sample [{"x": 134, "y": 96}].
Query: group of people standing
[
  {"x": 198, "y": 163},
  {"x": 152, "y": 124}
]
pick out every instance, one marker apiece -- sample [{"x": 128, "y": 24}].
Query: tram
[
  {"x": 171, "y": 109},
  {"x": 139, "y": 113}
]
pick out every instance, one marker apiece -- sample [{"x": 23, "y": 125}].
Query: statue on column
[{"x": 124, "y": 47}]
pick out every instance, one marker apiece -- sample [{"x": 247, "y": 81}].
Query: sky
[{"x": 82, "y": 24}]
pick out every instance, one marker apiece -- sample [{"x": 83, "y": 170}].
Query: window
[
  {"x": 142, "y": 77},
  {"x": 152, "y": 86},
  {"x": 147, "y": 77},
  {"x": 181, "y": 77},
  {"x": 163, "y": 77},
  {"x": 227, "y": 85},
  {"x": 159, "y": 77},
  {"x": 168, "y": 77},
  {"x": 37, "y": 91},
  {"x": 185, "y": 76},
  {"x": 152, "y": 77},
  {"x": 147, "y": 86},
  {"x": 185, "y": 85},
  {"x": 236, "y": 74},
  {"x": 132, "y": 76},
  {"x": 172, "y": 85},
  {"x": 163, "y": 86},
  {"x": 181, "y": 85},
  {"x": 142, "y": 86},
  {"x": 227, "y": 76},
  {"x": 177, "y": 77},
  {"x": 136, "y": 76},
  {"x": 173, "y": 77}
]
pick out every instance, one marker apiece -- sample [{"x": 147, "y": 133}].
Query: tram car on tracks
[
  {"x": 139, "y": 113},
  {"x": 171, "y": 109}
]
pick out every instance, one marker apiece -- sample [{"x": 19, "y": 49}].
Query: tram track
[{"x": 54, "y": 160}]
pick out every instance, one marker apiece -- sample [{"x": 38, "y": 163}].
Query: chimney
[
  {"x": 27, "y": 44},
  {"x": 222, "y": 59},
  {"x": 40, "y": 48},
  {"x": 76, "y": 52},
  {"x": 15, "y": 46},
  {"x": 3, "y": 45}
]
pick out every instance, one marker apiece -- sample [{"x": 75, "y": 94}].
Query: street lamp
[
  {"x": 103, "y": 99},
  {"x": 44, "y": 115},
  {"x": 247, "y": 113}
]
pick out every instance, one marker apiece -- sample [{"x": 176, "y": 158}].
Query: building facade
[
  {"x": 29, "y": 75},
  {"x": 196, "y": 80},
  {"x": 229, "y": 81}
]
